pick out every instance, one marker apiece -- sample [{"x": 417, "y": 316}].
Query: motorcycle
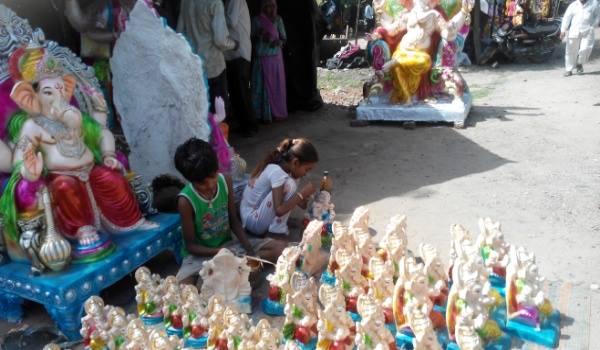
[{"x": 534, "y": 41}]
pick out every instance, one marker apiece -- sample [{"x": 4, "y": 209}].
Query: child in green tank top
[{"x": 208, "y": 212}]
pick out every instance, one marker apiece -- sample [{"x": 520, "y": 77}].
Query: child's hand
[
  {"x": 250, "y": 251},
  {"x": 308, "y": 190}
]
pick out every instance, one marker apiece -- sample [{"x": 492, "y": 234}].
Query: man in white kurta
[{"x": 578, "y": 25}]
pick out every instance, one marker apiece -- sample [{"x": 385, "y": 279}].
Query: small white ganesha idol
[
  {"x": 301, "y": 312},
  {"x": 227, "y": 275},
  {"x": 371, "y": 332},
  {"x": 360, "y": 219},
  {"x": 279, "y": 281},
  {"x": 494, "y": 249},
  {"x": 525, "y": 298},
  {"x": 335, "y": 326},
  {"x": 312, "y": 259},
  {"x": 394, "y": 242},
  {"x": 382, "y": 284}
]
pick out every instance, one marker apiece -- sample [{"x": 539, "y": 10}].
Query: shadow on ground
[
  {"x": 483, "y": 113},
  {"x": 405, "y": 160}
]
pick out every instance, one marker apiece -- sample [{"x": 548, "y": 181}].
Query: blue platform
[
  {"x": 327, "y": 278},
  {"x": 502, "y": 343},
  {"x": 199, "y": 343},
  {"x": 405, "y": 338},
  {"x": 547, "y": 335},
  {"x": 175, "y": 331},
  {"x": 272, "y": 308},
  {"x": 498, "y": 283},
  {"x": 63, "y": 293},
  {"x": 312, "y": 345}
]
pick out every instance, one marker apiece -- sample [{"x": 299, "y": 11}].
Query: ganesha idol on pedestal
[
  {"x": 71, "y": 154},
  {"x": 414, "y": 56}
]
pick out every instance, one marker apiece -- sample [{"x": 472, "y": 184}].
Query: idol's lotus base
[{"x": 63, "y": 293}]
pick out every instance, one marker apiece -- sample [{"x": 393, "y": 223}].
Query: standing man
[
  {"x": 369, "y": 17},
  {"x": 203, "y": 23},
  {"x": 578, "y": 25},
  {"x": 238, "y": 65},
  {"x": 304, "y": 26}
]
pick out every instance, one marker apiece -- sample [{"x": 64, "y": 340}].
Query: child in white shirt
[{"x": 272, "y": 192}]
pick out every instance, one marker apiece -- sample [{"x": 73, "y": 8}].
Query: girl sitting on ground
[{"x": 272, "y": 192}]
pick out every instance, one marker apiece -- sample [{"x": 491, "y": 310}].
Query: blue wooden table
[{"x": 63, "y": 293}]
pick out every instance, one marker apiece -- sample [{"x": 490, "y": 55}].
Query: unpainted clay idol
[{"x": 159, "y": 91}]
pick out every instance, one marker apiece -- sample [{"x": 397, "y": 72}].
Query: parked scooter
[{"x": 534, "y": 41}]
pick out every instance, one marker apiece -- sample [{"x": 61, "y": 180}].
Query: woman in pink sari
[{"x": 268, "y": 75}]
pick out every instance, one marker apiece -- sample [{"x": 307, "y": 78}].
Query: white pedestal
[{"x": 379, "y": 109}]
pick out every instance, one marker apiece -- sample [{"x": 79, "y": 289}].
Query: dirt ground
[{"x": 529, "y": 157}]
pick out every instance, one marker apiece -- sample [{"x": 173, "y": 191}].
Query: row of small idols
[
  {"x": 371, "y": 296},
  {"x": 488, "y": 289}
]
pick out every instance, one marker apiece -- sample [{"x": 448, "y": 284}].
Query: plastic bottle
[{"x": 326, "y": 183}]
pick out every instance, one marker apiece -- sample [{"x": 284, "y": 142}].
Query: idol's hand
[
  {"x": 33, "y": 164},
  {"x": 98, "y": 101},
  {"x": 112, "y": 162},
  {"x": 220, "y": 109}
]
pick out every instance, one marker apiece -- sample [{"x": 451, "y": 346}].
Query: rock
[{"x": 159, "y": 92}]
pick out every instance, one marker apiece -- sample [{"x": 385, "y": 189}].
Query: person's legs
[
  {"x": 190, "y": 266},
  {"x": 248, "y": 118},
  {"x": 585, "y": 49},
  {"x": 571, "y": 51},
  {"x": 263, "y": 220},
  {"x": 213, "y": 86},
  {"x": 217, "y": 87},
  {"x": 233, "y": 82},
  {"x": 265, "y": 248},
  {"x": 272, "y": 249},
  {"x": 238, "y": 79}
]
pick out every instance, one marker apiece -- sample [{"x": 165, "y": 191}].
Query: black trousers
[
  {"x": 238, "y": 80},
  {"x": 217, "y": 87}
]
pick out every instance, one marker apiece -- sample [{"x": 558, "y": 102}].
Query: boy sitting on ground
[{"x": 208, "y": 213}]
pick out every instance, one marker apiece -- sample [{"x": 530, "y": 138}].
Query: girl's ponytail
[{"x": 287, "y": 150}]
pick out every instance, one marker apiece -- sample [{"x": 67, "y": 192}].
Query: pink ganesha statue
[
  {"x": 70, "y": 153},
  {"x": 414, "y": 50}
]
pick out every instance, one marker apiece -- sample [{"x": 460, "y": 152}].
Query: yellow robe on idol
[{"x": 406, "y": 75}]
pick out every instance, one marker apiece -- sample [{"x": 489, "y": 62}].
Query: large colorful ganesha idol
[
  {"x": 414, "y": 51},
  {"x": 70, "y": 153}
]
